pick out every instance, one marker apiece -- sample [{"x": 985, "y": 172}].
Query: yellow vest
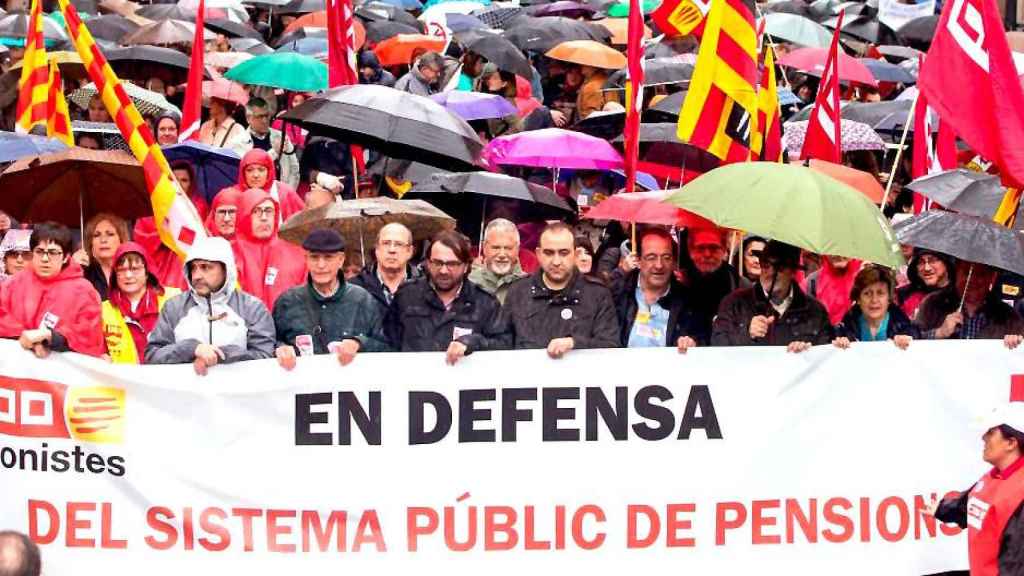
[{"x": 120, "y": 344}]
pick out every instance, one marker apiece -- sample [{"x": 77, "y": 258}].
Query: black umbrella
[
  {"x": 543, "y": 34},
  {"x": 867, "y": 29},
  {"x": 165, "y": 12},
  {"x": 381, "y": 30},
  {"x": 497, "y": 16},
  {"x": 567, "y": 8},
  {"x": 111, "y": 27},
  {"x": 144, "y": 62},
  {"x": 502, "y": 54},
  {"x": 660, "y": 144},
  {"x": 961, "y": 190},
  {"x": 602, "y": 124},
  {"x": 377, "y": 11},
  {"x": 920, "y": 30},
  {"x": 671, "y": 48},
  {"x": 670, "y": 105},
  {"x": 788, "y": 7},
  {"x": 302, "y": 7},
  {"x": 232, "y": 29},
  {"x": 656, "y": 71},
  {"x": 895, "y": 53},
  {"x": 299, "y": 34},
  {"x": 396, "y": 123},
  {"x": 887, "y": 117},
  {"x": 966, "y": 237},
  {"x": 15, "y": 25},
  {"x": 250, "y": 45}
]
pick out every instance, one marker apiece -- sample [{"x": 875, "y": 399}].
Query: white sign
[{"x": 896, "y": 13}]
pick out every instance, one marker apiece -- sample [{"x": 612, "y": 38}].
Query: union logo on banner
[{"x": 40, "y": 409}]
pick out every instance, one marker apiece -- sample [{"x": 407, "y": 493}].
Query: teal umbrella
[
  {"x": 621, "y": 9},
  {"x": 285, "y": 70},
  {"x": 797, "y": 29}
]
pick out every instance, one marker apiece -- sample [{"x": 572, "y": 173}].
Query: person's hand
[
  {"x": 949, "y": 325},
  {"x": 558, "y": 118},
  {"x": 902, "y": 341},
  {"x": 1011, "y": 341},
  {"x": 30, "y": 338},
  {"x": 559, "y": 346},
  {"x": 456, "y": 350},
  {"x": 932, "y": 507},
  {"x": 798, "y": 347},
  {"x": 842, "y": 343},
  {"x": 332, "y": 183},
  {"x": 346, "y": 351},
  {"x": 210, "y": 355},
  {"x": 285, "y": 357},
  {"x": 759, "y": 326},
  {"x": 684, "y": 343},
  {"x": 81, "y": 257}
]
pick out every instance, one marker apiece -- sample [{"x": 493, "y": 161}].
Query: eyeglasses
[
  {"x": 928, "y": 261},
  {"x": 393, "y": 244},
  {"x": 18, "y": 254},
  {"x": 226, "y": 213},
  {"x": 439, "y": 264},
  {"x": 269, "y": 211},
  {"x": 135, "y": 270},
  {"x": 51, "y": 253}
]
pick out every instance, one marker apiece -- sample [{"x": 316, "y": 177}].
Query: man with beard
[
  {"x": 710, "y": 278},
  {"x": 500, "y": 252},
  {"x": 444, "y": 312}
]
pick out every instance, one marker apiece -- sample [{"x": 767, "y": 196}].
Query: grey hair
[{"x": 501, "y": 225}]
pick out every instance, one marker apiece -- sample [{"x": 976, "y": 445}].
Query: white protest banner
[
  {"x": 723, "y": 460},
  {"x": 896, "y": 13}
]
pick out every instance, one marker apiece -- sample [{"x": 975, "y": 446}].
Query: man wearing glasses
[
  {"x": 445, "y": 312},
  {"x": 257, "y": 114},
  {"x": 52, "y": 307},
  {"x": 391, "y": 269},
  {"x": 710, "y": 278},
  {"x": 425, "y": 76}
]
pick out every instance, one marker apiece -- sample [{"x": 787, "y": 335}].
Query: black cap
[
  {"x": 324, "y": 240},
  {"x": 781, "y": 254}
]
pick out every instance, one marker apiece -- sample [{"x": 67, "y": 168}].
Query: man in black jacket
[
  {"x": 391, "y": 267},
  {"x": 558, "y": 308},
  {"x": 654, "y": 308},
  {"x": 445, "y": 311}
]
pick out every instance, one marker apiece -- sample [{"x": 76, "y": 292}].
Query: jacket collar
[{"x": 317, "y": 297}]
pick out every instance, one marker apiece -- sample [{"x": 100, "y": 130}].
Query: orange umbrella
[
  {"x": 619, "y": 27},
  {"x": 588, "y": 53},
  {"x": 399, "y": 49},
  {"x": 319, "y": 20},
  {"x": 863, "y": 181}
]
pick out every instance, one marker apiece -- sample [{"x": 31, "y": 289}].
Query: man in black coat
[
  {"x": 445, "y": 312},
  {"x": 558, "y": 308}
]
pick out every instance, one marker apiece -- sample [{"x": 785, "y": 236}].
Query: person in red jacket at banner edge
[
  {"x": 53, "y": 307},
  {"x": 256, "y": 170},
  {"x": 223, "y": 217},
  {"x": 267, "y": 265},
  {"x": 991, "y": 508}
]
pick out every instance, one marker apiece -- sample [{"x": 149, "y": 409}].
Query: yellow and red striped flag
[
  {"x": 58, "y": 120},
  {"x": 766, "y": 142},
  {"x": 176, "y": 218},
  {"x": 32, "y": 86},
  {"x": 720, "y": 110}
]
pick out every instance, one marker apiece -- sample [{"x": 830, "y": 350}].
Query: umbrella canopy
[
  {"x": 437, "y": 12},
  {"x": 854, "y": 136},
  {"x": 467, "y": 196},
  {"x": 398, "y": 50},
  {"x": 232, "y": 29},
  {"x": 106, "y": 133},
  {"x": 226, "y": 60},
  {"x": 797, "y": 29},
  {"x": 619, "y": 28},
  {"x": 285, "y": 70},
  {"x": 497, "y": 16},
  {"x": 646, "y": 208},
  {"x": 864, "y": 28},
  {"x": 398, "y": 124},
  {"x": 64, "y": 186},
  {"x": 657, "y": 71},
  {"x": 166, "y": 32},
  {"x": 165, "y": 11},
  {"x": 887, "y": 117},
  {"x": 111, "y": 27},
  {"x": 319, "y": 20},
  {"x": 15, "y": 146},
  {"x": 885, "y": 72},
  {"x": 966, "y": 237},
  {"x": 567, "y": 8},
  {"x": 377, "y": 32},
  {"x": 553, "y": 148},
  {"x": 405, "y": 4},
  {"x": 543, "y": 34},
  {"x": 69, "y": 64},
  {"x": 588, "y": 53},
  {"x": 503, "y": 54},
  {"x": 359, "y": 221},
  {"x": 621, "y": 9},
  {"x": 250, "y": 45},
  {"x": 224, "y": 89},
  {"x": 474, "y": 105},
  {"x": 961, "y": 190},
  {"x": 315, "y": 46},
  {"x": 302, "y": 7},
  {"x": 215, "y": 168},
  {"x": 793, "y": 204},
  {"x": 798, "y": 7},
  {"x": 376, "y": 11},
  {"x": 902, "y": 52},
  {"x": 15, "y": 25},
  {"x": 148, "y": 102},
  {"x": 141, "y": 63},
  {"x": 858, "y": 179},
  {"x": 812, "y": 61},
  {"x": 920, "y": 30}
]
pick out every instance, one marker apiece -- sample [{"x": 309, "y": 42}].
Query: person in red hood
[
  {"x": 223, "y": 218},
  {"x": 133, "y": 305},
  {"x": 256, "y": 170},
  {"x": 831, "y": 285},
  {"x": 53, "y": 307},
  {"x": 267, "y": 265}
]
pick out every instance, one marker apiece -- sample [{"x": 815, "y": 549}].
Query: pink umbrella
[
  {"x": 224, "y": 89},
  {"x": 812, "y": 61},
  {"x": 646, "y": 208},
  {"x": 553, "y": 148}
]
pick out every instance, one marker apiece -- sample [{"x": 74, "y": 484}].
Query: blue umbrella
[
  {"x": 405, "y": 4},
  {"x": 215, "y": 168},
  {"x": 786, "y": 97},
  {"x": 888, "y": 72},
  {"x": 14, "y": 146},
  {"x": 464, "y": 23},
  {"x": 309, "y": 46}
]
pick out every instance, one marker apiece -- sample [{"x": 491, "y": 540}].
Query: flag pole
[
  {"x": 899, "y": 152},
  {"x": 771, "y": 44}
]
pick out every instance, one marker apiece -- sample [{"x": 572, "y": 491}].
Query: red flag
[
  {"x": 634, "y": 91},
  {"x": 341, "y": 47},
  {"x": 192, "y": 111},
  {"x": 970, "y": 79},
  {"x": 930, "y": 155},
  {"x": 822, "y": 140}
]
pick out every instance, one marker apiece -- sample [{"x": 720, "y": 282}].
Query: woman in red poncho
[
  {"x": 223, "y": 218},
  {"x": 831, "y": 285},
  {"x": 256, "y": 170},
  {"x": 52, "y": 307},
  {"x": 267, "y": 265}
]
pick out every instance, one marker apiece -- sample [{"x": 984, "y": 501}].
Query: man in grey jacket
[
  {"x": 213, "y": 323},
  {"x": 424, "y": 78}
]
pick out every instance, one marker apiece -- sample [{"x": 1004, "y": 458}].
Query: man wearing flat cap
[
  {"x": 775, "y": 311},
  {"x": 326, "y": 315}
]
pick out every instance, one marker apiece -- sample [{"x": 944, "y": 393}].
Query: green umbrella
[
  {"x": 285, "y": 70},
  {"x": 621, "y": 9},
  {"x": 797, "y": 29},
  {"x": 793, "y": 204}
]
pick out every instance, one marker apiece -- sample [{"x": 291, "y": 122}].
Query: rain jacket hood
[
  {"x": 226, "y": 197},
  {"x": 213, "y": 249}
]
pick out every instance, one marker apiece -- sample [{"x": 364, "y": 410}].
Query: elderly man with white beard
[{"x": 500, "y": 252}]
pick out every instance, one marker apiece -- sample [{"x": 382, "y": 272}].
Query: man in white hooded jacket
[{"x": 213, "y": 323}]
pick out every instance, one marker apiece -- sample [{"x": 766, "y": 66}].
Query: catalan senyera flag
[
  {"x": 720, "y": 110},
  {"x": 766, "y": 142},
  {"x": 58, "y": 120},
  {"x": 176, "y": 218},
  {"x": 32, "y": 86}
]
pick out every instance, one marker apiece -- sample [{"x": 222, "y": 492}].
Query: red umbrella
[
  {"x": 224, "y": 89},
  {"x": 646, "y": 208},
  {"x": 812, "y": 61}
]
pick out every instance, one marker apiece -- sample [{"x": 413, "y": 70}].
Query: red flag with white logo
[
  {"x": 634, "y": 91},
  {"x": 192, "y": 111},
  {"x": 969, "y": 78},
  {"x": 823, "y": 141},
  {"x": 931, "y": 154},
  {"x": 341, "y": 50}
]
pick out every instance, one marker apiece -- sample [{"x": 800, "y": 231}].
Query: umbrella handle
[{"x": 967, "y": 285}]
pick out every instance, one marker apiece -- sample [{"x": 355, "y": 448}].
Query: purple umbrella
[
  {"x": 553, "y": 148},
  {"x": 566, "y": 8},
  {"x": 475, "y": 105}
]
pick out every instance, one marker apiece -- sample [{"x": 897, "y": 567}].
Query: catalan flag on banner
[
  {"x": 766, "y": 142},
  {"x": 58, "y": 120},
  {"x": 720, "y": 110},
  {"x": 32, "y": 86},
  {"x": 176, "y": 218}
]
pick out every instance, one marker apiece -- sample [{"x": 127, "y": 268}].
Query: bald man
[
  {"x": 393, "y": 252},
  {"x": 19, "y": 556}
]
